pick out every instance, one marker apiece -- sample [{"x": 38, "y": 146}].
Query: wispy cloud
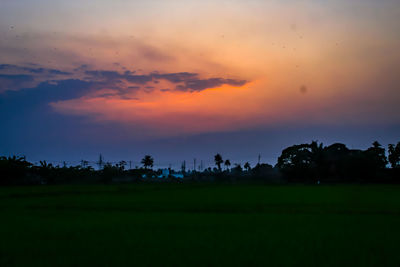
[{"x": 14, "y": 77}]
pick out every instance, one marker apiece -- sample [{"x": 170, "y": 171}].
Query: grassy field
[{"x": 186, "y": 225}]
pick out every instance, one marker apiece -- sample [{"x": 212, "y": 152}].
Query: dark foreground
[{"x": 186, "y": 225}]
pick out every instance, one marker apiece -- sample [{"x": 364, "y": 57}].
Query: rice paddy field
[{"x": 200, "y": 225}]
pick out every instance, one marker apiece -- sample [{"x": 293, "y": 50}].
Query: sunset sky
[{"x": 189, "y": 79}]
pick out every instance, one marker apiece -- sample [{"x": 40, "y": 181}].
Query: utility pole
[
  {"x": 183, "y": 167},
  {"x": 194, "y": 164},
  {"x": 259, "y": 159}
]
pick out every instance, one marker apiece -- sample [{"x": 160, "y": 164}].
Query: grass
[{"x": 200, "y": 225}]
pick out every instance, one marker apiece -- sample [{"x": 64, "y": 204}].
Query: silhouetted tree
[
  {"x": 333, "y": 164},
  {"x": 147, "y": 161},
  {"x": 264, "y": 171},
  {"x": 376, "y": 155},
  {"x": 298, "y": 162},
  {"x": 237, "y": 169},
  {"x": 247, "y": 166},
  {"x": 317, "y": 152},
  {"x": 13, "y": 170},
  {"x": 394, "y": 155},
  {"x": 218, "y": 161},
  {"x": 109, "y": 171},
  {"x": 121, "y": 165},
  {"x": 227, "y": 163}
]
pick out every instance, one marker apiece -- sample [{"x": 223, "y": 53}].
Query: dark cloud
[
  {"x": 14, "y": 77},
  {"x": 140, "y": 79},
  {"x": 47, "y": 92},
  {"x": 192, "y": 82},
  {"x": 175, "y": 77},
  {"x": 13, "y": 82},
  {"x": 58, "y": 72},
  {"x": 33, "y": 70},
  {"x": 15, "y": 68},
  {"x": 185, "y": 81},
  {"x": 113, "y": 75},
  {"x": 199, "y": 84},
  {"x": 104, "y": 74}
]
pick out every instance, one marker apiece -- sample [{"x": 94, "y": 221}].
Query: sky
[{"x": 188, "y": 79}]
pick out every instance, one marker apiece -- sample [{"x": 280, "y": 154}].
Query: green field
[{"x": 192, "y": 225}]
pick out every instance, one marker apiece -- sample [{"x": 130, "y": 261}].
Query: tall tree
[
  {"x": 376, "y": 155},
  {"x": 218, "y": 161},
  {"x": 147, "y": 161},
  {"x": 227, "y": 163},
  {"x": 297, "y": 162}
]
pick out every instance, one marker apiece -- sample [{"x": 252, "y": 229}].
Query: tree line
[{"x": 304, "y": 163}]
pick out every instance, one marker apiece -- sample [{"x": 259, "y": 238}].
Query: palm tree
[
  {"x": 227, "y": 164},
  {"x": 147, "y": 161},
  {"x": 218, "y": 161}
]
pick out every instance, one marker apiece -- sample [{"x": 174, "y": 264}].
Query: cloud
[
  {"x": 82, "y": 67},
  {"x": 37, "y": 70},
  {"x": 33, "y": 88},
  {"x": 58, "y": 72},
  {"x": 14, "y": 81},
  {"x": 14, "y": 77},
  {"x": 175, "y": 77},
  {"x": 114, "y": 75},
  {"x": 184, "y": 81},
  {"x": 46, "y": 92},
  {"x": 199, "y": 85}
]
